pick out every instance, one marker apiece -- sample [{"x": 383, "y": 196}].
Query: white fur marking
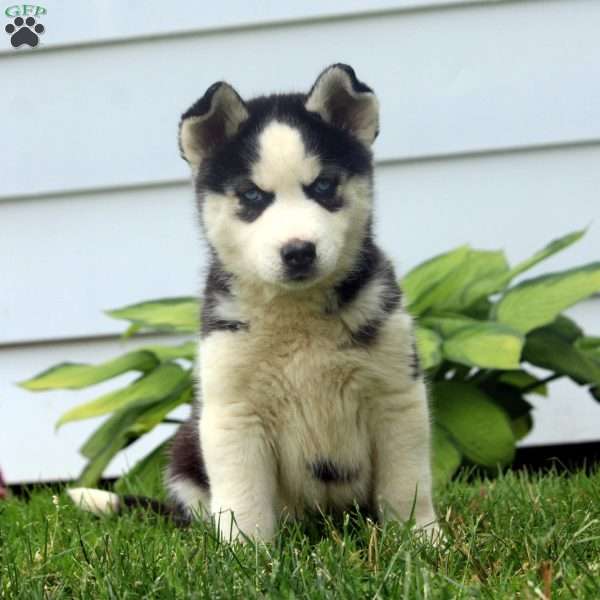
[
  {"x": 95, "y": 501},
  {"x": 283, "y": 163},
  {"x": 367, "y": 306},
  {"x": 192, "y": 497},
  {"x": 227, "y": 309}
]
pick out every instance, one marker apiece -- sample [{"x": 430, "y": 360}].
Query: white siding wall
[{"x": 490, "y": 134}]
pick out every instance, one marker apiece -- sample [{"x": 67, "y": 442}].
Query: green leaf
[
  {"x": 136, "y": 418},
  {"x": 110, "y": 438},
  {"x": 93, "y": 470},
  {"x": 154, "y": 386},
  {"x": 145, "y": 478},
  {"x": 75, "y": 376},
  {"x": 114, "y": 427},
  {"x": 446, "y": 457},
  {"x": 496, "y": 280},
  {"x": 538, "y": 301},
  {"x": 419, "y": 282},
  {"x": 180, "y": 315},
  {"x": 428, "y": 346},
  {"x": 566, "y": 328},
  {"x": 447, "y": 324},
  {"x": 485, "y": 345},
  {"x": 124, "y": 427},
  {"x": 475, "y": 279},
  {"x": 187, "y": 351},
  {"x": 545, "y": 348},
  {"x": 590, "y": 345},
  {"x": 480, "y": 310},
  {"x": 479, "y": 428},
  {"x": 463, "y": 277},
  {"x": 552, "y": 248},
  {"x": 155, "y": 414}
]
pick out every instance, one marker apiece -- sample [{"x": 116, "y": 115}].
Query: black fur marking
[
  {"x": 186, "y": 455},
  {"x": 222, "y": 325},
  {"x": 366, "y": 334},
  {"x": 330, "y": 201},
  {"x": 368, "y": 261},
  {"x": 249, "y": 212},
  {"x": 390, "y": 299},
  {"x": 415, "y": 363},
  {"x": 217, "y": 284},
  {"x": 327, "y": 471},
  {"x": 178, "y": 517}
]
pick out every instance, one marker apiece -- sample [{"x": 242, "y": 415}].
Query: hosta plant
[{"x": 478, "y": 334}]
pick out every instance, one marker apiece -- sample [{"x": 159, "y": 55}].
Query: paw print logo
[{"x": 24, "y": 31}]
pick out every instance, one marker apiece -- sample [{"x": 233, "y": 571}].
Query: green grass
[{"x": 517, "y": 536}]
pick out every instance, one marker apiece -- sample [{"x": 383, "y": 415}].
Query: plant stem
[{"x": 536, "y": 384}]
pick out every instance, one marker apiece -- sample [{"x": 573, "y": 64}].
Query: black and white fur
[{"x": 309, "y": 392}]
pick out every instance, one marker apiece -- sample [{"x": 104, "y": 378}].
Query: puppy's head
[{"x": 284, "y": 181}]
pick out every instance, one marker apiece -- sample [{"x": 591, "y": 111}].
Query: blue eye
[
  {"x": 252, "y": 195},
  {"x": 324, "y": 190},
  {"x": 324, "y": 186}
]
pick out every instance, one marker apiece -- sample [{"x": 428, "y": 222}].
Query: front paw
[
  {"x": 226, "y": 526},
  {"x": 431, "y": 532},
  {"x": 234, "y": 527}
]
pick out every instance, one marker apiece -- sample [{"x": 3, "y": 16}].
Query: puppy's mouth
[
  {"x": 300, "y": 277},
  {"x": 300, "y": 274}
]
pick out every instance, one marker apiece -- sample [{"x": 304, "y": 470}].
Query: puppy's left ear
[
  {"x": 210, "y": 122},
  {"x": 345, "y": 102}
]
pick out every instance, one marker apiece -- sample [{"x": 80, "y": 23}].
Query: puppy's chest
[
  {"x": 302, "y": 361},
  {"x": 313, "y": 396}
]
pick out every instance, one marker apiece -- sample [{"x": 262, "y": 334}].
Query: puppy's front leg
[
  {"x": 241, "y": 471},
  {"x": 401, "y": 431}
]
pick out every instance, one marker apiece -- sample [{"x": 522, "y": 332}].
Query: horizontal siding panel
[
  {"x": 65, "y": 260},
  {"x": 112, "y": 21},
  {"x": 30, "y": 449},
  {"x": 499, "y": 75}
]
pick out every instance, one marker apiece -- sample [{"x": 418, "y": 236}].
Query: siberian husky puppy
[{"x": 309, "y": 392}]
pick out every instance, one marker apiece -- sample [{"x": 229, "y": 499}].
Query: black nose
[{"x": 298, "y": 256}]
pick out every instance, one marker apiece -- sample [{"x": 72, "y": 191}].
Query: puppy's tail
[{"x": 101, "y": 502}]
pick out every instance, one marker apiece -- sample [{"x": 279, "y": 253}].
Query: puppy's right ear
[{"x": 210, "y": 122}]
